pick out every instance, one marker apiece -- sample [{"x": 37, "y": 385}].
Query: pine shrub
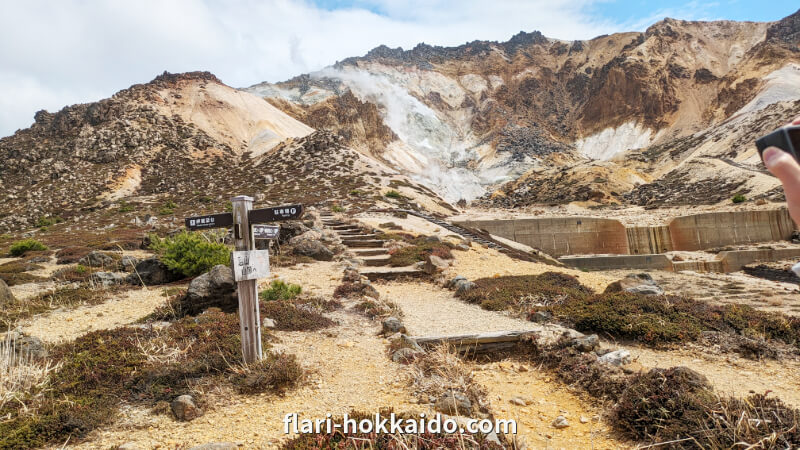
[{"x": 190, "y": 253}]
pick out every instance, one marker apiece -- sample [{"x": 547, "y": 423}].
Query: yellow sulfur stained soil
[{"x": 545, "y": 400}]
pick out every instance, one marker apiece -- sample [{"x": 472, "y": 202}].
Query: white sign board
[
  {"x": 250, "y": 264},
  {"x": 266, "y": 231}
]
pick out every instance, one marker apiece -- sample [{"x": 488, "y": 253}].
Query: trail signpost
[{"x": 247, "y": 263}]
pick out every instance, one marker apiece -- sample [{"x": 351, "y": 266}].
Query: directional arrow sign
[
  {"x": 276, "y": 213},
  {"x": 266, "y": 231},
  {"x": 210, "y": 221}
]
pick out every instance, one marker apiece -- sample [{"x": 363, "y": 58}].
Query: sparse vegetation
[
  {"x": 294, "y": 316},
  {"x": 19, "y": 248},
  {"x": 190, "y": 253},
  {"x": 738, "y": 198},
  {"x": 124, "y": 207},
  {"x": 393, "y": 194},
  {"x": 337, "y": 208},
  {"x": 68, "y": 297},
  {"x": 144, "y": 366},
  {"x": 45, "y": 222},
  {"x": 280, "y": 290},
  {"x": 418, "y": 250},
  {"x": 70, "y": 255},
  {"x": 167, "y": 208}
]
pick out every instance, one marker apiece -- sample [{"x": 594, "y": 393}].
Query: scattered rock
[
  {"x": 213, "y": 288},
  {"x": 129, "y": 446},
  {"x": 290, "y": 230},
  {"x": 107, "y": 279},
  {"x": 6, "y": 296},
  {"x": 584, "y": 419},
  {"x": 267, "y": 323},
  {"x": 184, "y": 408},
  {"x": 401, "y": 340},
  {"x": 586, "y": 343},
  {"x": 405, "y": 355},
  {"x": 519, "y": 401},
  {"x": 639, "y": 283},
  {"x": 96, "y": 259},
  {"x": 434, "y": 264},
  {"x": 392, "y": 325},
  {"x": 152, "y": 272},
  {"x": 369, "y": 290},
  {"x": 616, "y": 358},
  {"x": 26, "y": 346},
  {"x": 463, "y": 247},
  {"x": 351, "y": 275},
  {"x": 560, "y": 422},
  {"x": 541, "y": 316},
  {"x": 128, "y": 263},
  {"x": 454, "y": 403},
  {"x": 461, "y": 285},
  {"x": 433, "y": 238},
  {"x": 312, "y": 248}
]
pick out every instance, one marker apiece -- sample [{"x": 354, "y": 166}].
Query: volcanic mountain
[{"x": 619, "y": 118}]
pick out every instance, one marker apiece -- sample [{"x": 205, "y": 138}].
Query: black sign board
[
  {"x": 276, "y": 213},
  {"x": 210, "y": 221},
  {"x": 266, "y": 231}
]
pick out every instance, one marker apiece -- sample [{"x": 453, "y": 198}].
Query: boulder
[
  {"x": 266, "y": 322},
  {"x": 351, "y": 275},
  {"x": 128, "y": 263},
  {"x": 541, "y": 317},
  {"x": 215, "y": 288},
  {"x": 392, "y": 325},
  {"x": 107, "y": 279},
  {"x": 97, "y": 259},
  {"x": 560, "y": 422},
  {"x": 367, "y": 289},
  {"x": 6, "y": 296},
  {"x": 463, "y": 286},
  {"x": 184, "y": 408},
  {"x": 151, "y": 272},
  {"x": 433, "y": 239},
  {"x": 454, "y": 403},
  {"x": 586, "y": 343},
  {"x": 26, "y": 346},
  {"x": 435, "y": 264},
  {"x": 616, "y": 358},
  {"x": 290, "y": 230},
  {"x": 313, "y": 249},
  {"x": 637, "y": 283}
]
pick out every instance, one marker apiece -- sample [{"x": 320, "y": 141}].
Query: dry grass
[
  {"x": 20, "y": 375},
  {"x": 440, "y": 371}
]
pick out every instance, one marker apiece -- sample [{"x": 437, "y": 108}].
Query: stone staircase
[{"x": 368, "y": 248}]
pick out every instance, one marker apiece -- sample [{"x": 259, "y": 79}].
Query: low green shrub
[
  {"x": 738, "y": 198},
  {"x": 45, "y": 222},
  {"x": 26, "y": 245},
  {"x": 393, "y": 194},
  {"x": 337, "y": 208},
  {"x": 167, "y": 208},
  {"x": 190, "y": 253},
  {"x": 280, "y": 290}
]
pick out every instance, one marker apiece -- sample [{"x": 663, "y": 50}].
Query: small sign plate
[
  {"x": 266, "y": 231},
  {"x": 276, "y": 213},
  {"x": 210, "y": 221},
  {"x": 250, "y": 264}
]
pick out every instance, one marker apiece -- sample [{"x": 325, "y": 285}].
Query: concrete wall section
[
  {"x": 610, "y": 262},
  {"x": 709, "y": 230},
  {"x": 561, "y": 236},
  {"x": 647, "y": 240}
]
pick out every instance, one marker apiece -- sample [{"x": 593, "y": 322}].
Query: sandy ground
[{"x": 546, "y": 401}]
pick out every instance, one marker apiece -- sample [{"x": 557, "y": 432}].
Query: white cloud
[{"x": 56, "y": 53}]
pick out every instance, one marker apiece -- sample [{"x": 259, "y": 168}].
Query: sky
[{"x": 57, "y": 53}]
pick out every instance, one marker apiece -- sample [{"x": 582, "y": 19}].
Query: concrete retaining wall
[
  {"x": 585, "y": 235},
  {"x": 560, "y": 236},
  {"x": 709, "y": 230},
  {"x": 609, "y": 262}
]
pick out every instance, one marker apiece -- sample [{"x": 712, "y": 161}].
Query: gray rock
[
  {"x": 434, "y": 264},
  {"x": 351, "y": 275},
  {"x": 586, "y": 343},
  {"x": 463, "y": 286},
  {"x": 97, "y": 259},
  {"x": 129, "y": 446},
  {"x": 107, "y": 279},
  {"x": 433, "y": 238},
  {"x": 454, "y": 403},
  {"x": 6, "y": 296},
  {"x": 128, "y": 263},
  {"x": 401, "y": 340},
  {"x": 313, "y": 249},
  {"x": 26, "y": 346},
  {"x": 267, "y": 323},
  {"x": 492, "y": 437},
  {"x": 519, "y": 401},
  {"x": 392, "y": 325},
  {"x": 370, "y": 291},
  {"x": 616, "y": 358},
  {"x": 184, "y": 408},
  {"x": 289, "y": 230},
  {"x": 463, "y": 247},
  {"x": 560, "y": 422},
  {"x": 151, "y": 272},
  {"x": 637, "y": 283},
  {"x": 405, "y": 355},
  {"x": 541, "y": 317},
  {"x": 452, "y": 283},
  {"x": 214, "y": 288}
]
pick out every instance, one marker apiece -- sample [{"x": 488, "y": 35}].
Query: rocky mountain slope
[
  {"x": 181, "y": 144},
  {"x": 465, "y": 120}
]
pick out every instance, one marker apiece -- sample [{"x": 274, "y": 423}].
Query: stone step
[
  {"x": 375, "y": 243},
  {"x": 349, "y": 232},
  {"x": 358, "y": 237},
  {"x": 374, "y": 261},
  {"x": 345, "y": 227},
  {"x": 333, "y": 223},
  {"x": 359, "y": 252},
  {"x": 393, "y": 273}
]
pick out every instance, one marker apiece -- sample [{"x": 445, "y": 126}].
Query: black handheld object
[{"x": 785, "y": 138}]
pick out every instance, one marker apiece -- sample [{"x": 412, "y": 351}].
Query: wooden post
[{"x": 249, "y": 315}]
